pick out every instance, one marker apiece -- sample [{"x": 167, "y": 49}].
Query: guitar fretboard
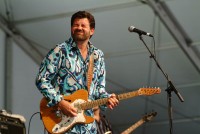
[
  {"x": 142, "y": 91},
  {"x": 133, "y": 127},
  {"x": 91, "y": 104},
  {"x": 146, "y": 118},
  {"x": 127, "y": 95}
]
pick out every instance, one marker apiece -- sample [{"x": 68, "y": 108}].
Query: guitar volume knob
[{"x": 58, "y": 113}]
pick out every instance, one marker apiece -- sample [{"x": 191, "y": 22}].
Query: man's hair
[{"x": 83, "y": 14}]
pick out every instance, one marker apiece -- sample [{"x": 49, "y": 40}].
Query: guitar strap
[{"x": 90, "y": 72}]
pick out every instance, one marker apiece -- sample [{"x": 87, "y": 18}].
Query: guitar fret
[
  {"x": 127, "y": 95},
  {"x": 91, "y": 104}
]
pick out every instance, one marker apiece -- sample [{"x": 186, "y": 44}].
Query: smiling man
[{"x": 64, "y": 71}]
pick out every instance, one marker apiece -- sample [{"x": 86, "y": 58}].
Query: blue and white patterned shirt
[{"x": 64, "y": 71}]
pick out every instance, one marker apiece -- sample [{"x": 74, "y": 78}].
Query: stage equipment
[
  {"x": 170, "y": 86},
  {"x": 11, "y": 123},
  {"x": 140, "y": 32}
]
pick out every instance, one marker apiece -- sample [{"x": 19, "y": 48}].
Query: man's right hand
[{"x": 67, "y": 109}]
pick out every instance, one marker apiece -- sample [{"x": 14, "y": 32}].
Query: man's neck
[{"x": 82, "y": 45}]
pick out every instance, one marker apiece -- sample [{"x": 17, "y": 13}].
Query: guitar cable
[{"x": 31, "y": 119}]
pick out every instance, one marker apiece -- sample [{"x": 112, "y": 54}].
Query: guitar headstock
[
  {"x": 149, "y": 91},
  {"x": 149, "y": 116}
]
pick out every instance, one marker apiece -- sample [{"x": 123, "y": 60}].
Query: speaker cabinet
[{"x": 10, "y": 125}]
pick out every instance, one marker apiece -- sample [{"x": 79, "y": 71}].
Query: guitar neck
[
  {"x": 146, "y": 118},
  {"x": 127, "y": 95},
  {"x": 91, "y": 104},
  {"x": 133, "y": 127},
  {"x": 99, "y": 102}
]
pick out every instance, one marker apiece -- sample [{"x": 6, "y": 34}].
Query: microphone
[{"x": 140, "y": 32}]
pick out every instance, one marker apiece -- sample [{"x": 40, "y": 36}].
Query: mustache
[{"x": 78, "y": 30}]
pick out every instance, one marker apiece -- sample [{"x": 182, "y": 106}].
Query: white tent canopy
[{"x": 30, "y": 28}]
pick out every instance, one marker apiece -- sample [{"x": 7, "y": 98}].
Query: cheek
[{"x": 72, "y": 30}]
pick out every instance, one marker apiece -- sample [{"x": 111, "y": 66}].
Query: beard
[{"x": 80, "y": 35}]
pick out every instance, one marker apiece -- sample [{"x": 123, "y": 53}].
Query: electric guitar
[
  {"x": 146, "y": 118},
  {"x": 56, "y": 122}
]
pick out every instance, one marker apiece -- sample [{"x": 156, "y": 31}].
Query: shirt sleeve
[
  {"x": 101, "y": 91},
  {"x": 47, "y": 74}
]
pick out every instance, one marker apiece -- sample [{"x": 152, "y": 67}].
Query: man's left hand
[{"x": 112, "y": 101}]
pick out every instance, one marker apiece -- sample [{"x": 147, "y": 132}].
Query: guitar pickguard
[{"x": 67, "y": 122}]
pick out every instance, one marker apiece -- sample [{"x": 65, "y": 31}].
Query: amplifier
[{"x": 11, "y": 125}]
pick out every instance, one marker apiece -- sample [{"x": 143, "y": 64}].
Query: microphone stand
[{"x": 169, "y": 89}]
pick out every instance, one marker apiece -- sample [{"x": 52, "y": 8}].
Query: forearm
[{"x": 48, "y": 91}]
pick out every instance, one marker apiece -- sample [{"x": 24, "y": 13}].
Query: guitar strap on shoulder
[{"x": 90, "y": 72}]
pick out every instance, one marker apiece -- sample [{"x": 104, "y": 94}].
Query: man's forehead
[{"x": 81, "y": 20}]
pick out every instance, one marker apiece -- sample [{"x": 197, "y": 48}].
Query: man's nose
[{"x": 79, "y": 27}]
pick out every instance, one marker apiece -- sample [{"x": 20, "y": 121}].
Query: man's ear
[{"x": 92, "y": 31}]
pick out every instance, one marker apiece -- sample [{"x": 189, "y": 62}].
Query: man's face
[{"x": 80, "y": 30}]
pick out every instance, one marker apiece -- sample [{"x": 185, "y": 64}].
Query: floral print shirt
[{"x": 64, "y": 71}]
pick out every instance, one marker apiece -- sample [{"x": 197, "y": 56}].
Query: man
[{"x": 64, "y": 71}]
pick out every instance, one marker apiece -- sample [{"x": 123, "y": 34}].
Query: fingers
[
  {"x": 112, "y": 101},
  {"x": 72, "y": 112},
  {"x": 67, "y": 108}
]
